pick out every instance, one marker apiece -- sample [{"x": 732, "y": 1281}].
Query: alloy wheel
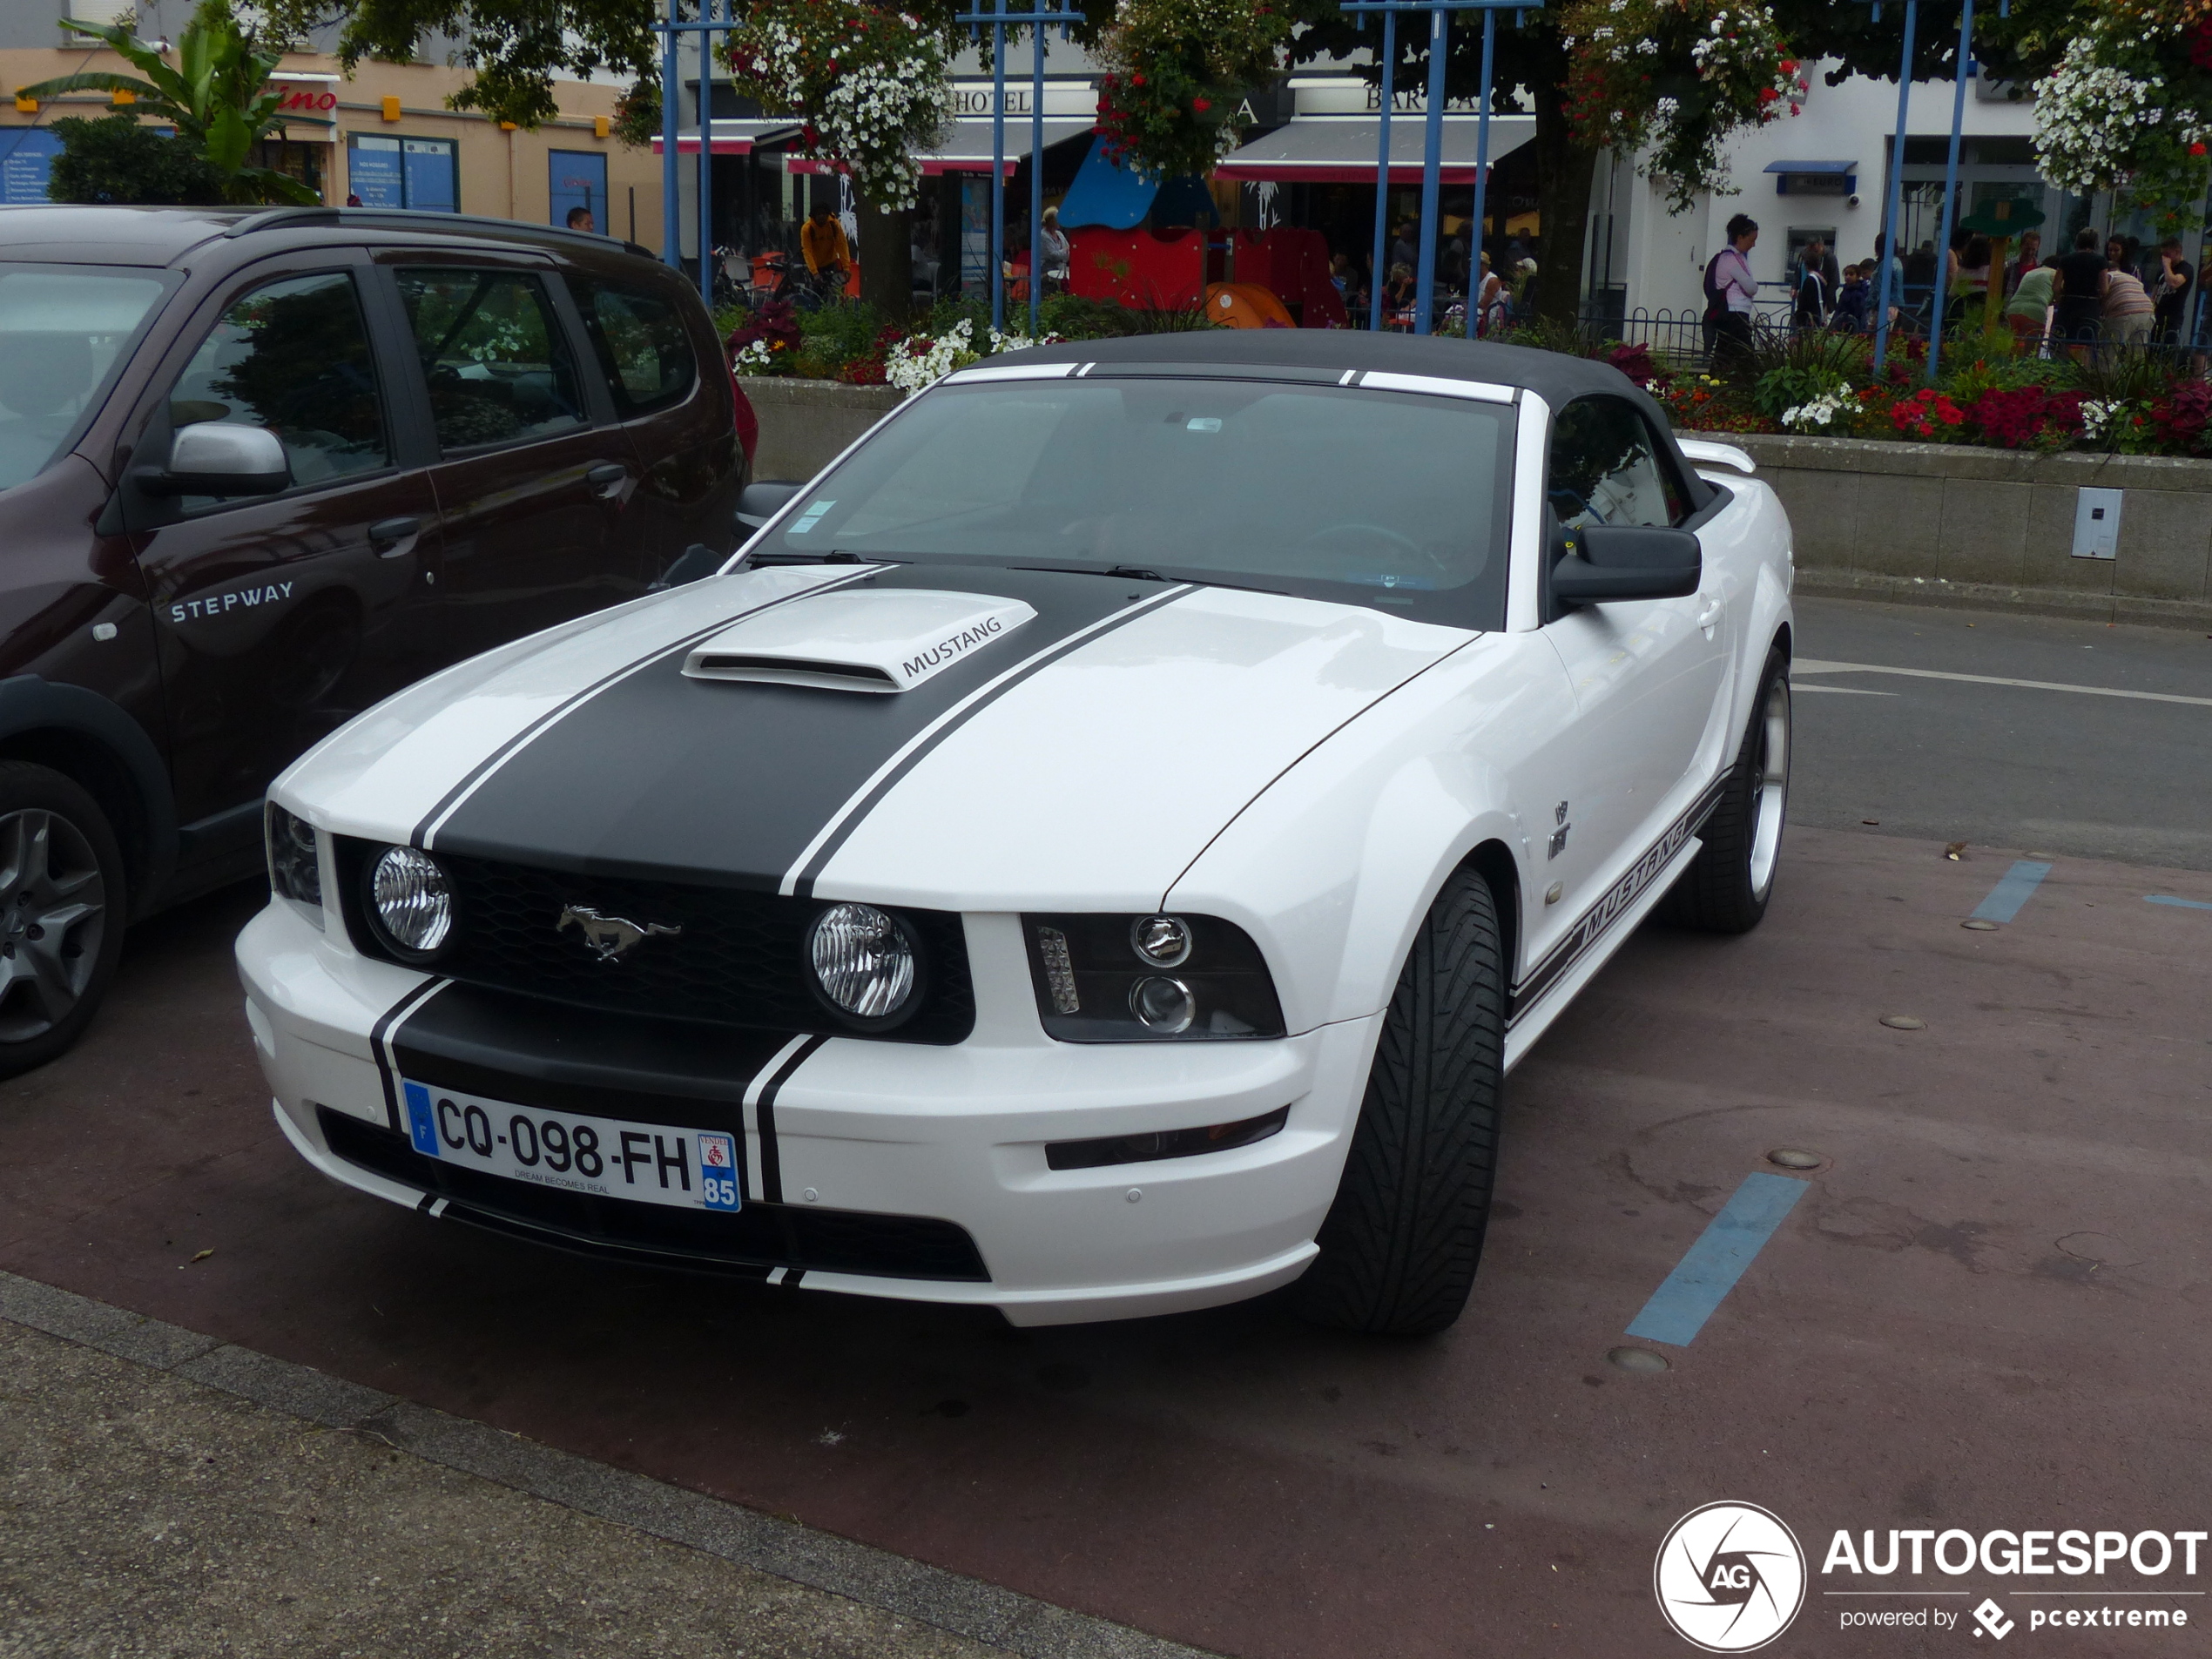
[
  {"x": 53, "y": 912},
  {"x": 1770, "y": 785}
]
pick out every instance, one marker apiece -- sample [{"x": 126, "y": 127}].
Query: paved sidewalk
[{"x": 143, "y": 1513}]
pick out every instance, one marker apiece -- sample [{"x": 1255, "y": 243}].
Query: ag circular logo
[{"x": 1730, "y": 1577}]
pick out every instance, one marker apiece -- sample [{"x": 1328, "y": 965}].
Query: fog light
[
  {"x": 1164, "y": 942},
  {"x": 862, "y": 960},
  {"x": 1162, "y": 1004},
  {"x": 412, "y": 899}
]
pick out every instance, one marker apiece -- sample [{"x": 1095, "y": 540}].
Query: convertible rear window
[{"x": 1387, "y": 499}]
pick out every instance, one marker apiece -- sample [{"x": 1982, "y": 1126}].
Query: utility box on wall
[{"x": 2096, "y": 524}]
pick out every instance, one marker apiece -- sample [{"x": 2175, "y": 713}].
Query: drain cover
[
  {"x": 1904, "y": 1023},
  {"x": 1795, "y": 1157},
  {"x": 1638, "y": 1359},
  {"x": 1978, "y": 926}
]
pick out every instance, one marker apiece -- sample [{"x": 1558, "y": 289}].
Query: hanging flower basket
[{"x": 1175, "y": 72}]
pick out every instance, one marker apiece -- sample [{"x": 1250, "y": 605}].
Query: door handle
[
  {"x": 1710, "y": 614},
  {"x": 607, "y": 477},
  {"x": 392, "y": 536}
]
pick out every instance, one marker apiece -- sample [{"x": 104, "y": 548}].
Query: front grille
[
  {"x": 739, "y": 960},
  {"x": 759, "y": 1236}
]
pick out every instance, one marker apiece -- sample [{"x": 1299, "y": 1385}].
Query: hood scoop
[{"x": 860, "y": 640}]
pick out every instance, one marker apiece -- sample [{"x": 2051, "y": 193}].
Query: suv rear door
[
  {"x": 532, "y": 482},
  {"x": 279, "y": 617}
]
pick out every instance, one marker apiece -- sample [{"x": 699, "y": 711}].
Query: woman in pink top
[{"x": 1730, "y": 289}]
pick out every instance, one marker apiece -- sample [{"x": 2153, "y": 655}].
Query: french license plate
[{"x": 689, "y": 1169}]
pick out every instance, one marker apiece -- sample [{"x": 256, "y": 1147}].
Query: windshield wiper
[
  {"x": 835, "y": 556},
  {"x": 1134, "y": 573}
]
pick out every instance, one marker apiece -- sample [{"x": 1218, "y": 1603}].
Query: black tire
[
  {"x": 1399, "y": 1245},
  {"x": 1726, "y": 889},
  {"x": 61, "y": 914}
]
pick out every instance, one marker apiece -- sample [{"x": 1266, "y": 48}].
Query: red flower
[
  {"x": 1767, "y": 95},
  {"x": 1202, "y": 105},
  {"x": 2196, "y": 149},
  {"x": 1137, "y": 80}
]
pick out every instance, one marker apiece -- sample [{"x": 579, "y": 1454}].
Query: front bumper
[{"x": 875, "y": 1156}]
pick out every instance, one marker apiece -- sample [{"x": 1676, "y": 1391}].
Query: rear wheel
[
  {"x": 1726, "y": 887},
  {"x": 61, "y": 914},
  {"x": 1399, "y": 1245}
]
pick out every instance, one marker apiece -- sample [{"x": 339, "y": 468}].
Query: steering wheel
[{"x": 1396, "y": 542}]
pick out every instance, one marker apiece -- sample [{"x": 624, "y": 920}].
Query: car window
[
  {"x": 293, "y": 356},
  {"x": 1606, "y": 468},
  {"x": 495, "y": 355},
  {"x": 643, "y": 346},
  {"x": 1387, "y": 499},
  {"x": 61, "y": 332}
]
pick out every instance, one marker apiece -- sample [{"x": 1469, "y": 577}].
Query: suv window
[
  {"x": 293, "y": 356},
  {"x": 61, "y": 333},
  {"x": 1606, "y": 469},
  {"x": 495, "y": 355},
  {"x": 641, "y": 342}
]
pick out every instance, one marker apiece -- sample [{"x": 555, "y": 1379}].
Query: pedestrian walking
[
  {"x": 1730, "y": 290},
  {"x": 1813, "y": 283},
  {"x": 1854, "y": 301},
  {"x": 2172, "y": 278},
  {"x": 2080, "y": 304}
]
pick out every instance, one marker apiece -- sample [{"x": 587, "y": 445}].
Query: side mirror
[
  {"x": 761, "y": 502},
  {"x": 696, "y": 560},
  {"x": 215, "y": 458},
  {"x": 1610, "y": 562}
]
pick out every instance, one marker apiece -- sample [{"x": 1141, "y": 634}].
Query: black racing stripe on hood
[
  {"x": 491, "y": 762},
  {"x": 660, "y": 776}
]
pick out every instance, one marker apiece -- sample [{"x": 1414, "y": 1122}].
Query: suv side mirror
[
  {"x": 217, "y": 458},
  {"x": 761, "y": 502},
  {"x": 1610, "y": 562}
]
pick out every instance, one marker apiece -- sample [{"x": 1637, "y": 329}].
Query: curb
[{"x": 951, "y": 1601}]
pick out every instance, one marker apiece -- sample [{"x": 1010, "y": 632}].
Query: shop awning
[
  {"x": 965, "y": 146},
  {"x": 1810, "y": 166},
  {"x": 1814, "y": 177},
  {"x": 730, "y": 137},
  {"x": 1340, "y": 150}
]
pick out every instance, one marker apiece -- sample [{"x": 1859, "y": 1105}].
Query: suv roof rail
[{"x": 277, "y": 218}]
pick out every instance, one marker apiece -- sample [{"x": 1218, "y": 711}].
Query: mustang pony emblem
[{"x": 610, "y": 938}]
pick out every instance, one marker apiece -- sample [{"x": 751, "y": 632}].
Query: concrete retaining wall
[
  {"x": 1945, "y": 523},
  {"x": 805, "y": 424},
  {"x": 1927, "y": 522}
]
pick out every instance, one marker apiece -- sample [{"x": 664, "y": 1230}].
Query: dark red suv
[{"x": 259, "y": 470}]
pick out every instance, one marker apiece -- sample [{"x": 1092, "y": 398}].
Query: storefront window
[{"x": 423, "y": 174}]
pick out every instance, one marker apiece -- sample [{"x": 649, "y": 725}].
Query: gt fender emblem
[{"x": 609, "y": 938}]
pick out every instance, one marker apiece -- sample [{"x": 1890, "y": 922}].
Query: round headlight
[
  {"x": 413, "y": 899},
  {"x": 1162, "y": 1004},
  {"x": 1164, "y": 942},
  {"x": 862, "y": 960}
]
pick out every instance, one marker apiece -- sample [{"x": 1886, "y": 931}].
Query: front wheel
[
  {"x": 1726, "y": 887},
  {"x": 61, "y": 914},
  {"x": 1399, "y": 1245}
]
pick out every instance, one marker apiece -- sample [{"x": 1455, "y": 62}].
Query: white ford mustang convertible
[{"x": 1095, "y": 852}]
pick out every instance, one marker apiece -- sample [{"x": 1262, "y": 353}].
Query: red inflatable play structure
[{"x": 1173, "y": 269}]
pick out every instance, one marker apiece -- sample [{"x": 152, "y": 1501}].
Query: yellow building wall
[{"x": 503, "y": 172}]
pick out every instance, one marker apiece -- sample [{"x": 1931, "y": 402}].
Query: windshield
[
  {"x": 62, "y": 329},
  {"x": 1388, "y": 499}
]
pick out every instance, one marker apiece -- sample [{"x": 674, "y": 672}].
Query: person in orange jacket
[{"x": 829, "y": 256}]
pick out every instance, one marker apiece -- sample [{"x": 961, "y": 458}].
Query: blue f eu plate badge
[{"x": 718, "y": 1172}]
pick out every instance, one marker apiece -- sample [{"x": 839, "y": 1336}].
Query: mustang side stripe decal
[
  {"x": 800, "y": 878},
  {"x": 381, "y": 1046},
  {"x": 452, "y": 799},
  {"x": 1598, "y": 919},
  {"x": 771, "y": 1163}
]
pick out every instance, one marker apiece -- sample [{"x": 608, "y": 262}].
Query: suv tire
[
  {"x": 1399, "y": 1245},
  {"x": 61, "y": 913},
  {"x": 1726, "y": 887}
]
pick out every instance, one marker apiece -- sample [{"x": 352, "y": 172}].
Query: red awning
[{"x": 729, "y": 138}]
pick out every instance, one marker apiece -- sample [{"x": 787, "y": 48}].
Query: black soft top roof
[{"x": 1553, "y": 376}]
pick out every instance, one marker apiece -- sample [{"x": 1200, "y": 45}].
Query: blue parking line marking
[
  {"x": 2015, "y": 889},
  {"x": 1679, "y": 1308},
  {"x": 2168, "y": 898}
]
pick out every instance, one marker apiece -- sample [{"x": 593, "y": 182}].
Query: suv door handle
[
  {"x": 1710, "y": 614},
  {"x": 392, "y": 536},
  {"x": 607, "y": 477}
]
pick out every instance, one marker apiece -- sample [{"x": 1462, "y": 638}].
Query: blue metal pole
[
  {"x": 1482, "y": 170},
  {"x": 1890, "y": 214},
  {"x": 1950, "y": 184},
  {"x": 672, "y": 220},
  {"x": 706, "y": 157},
  {"x": 998, "y": 169},
  {"x": 1432, "y": 170},
  {"x": 1037, "y": 181},
  {"x": 1386, "y": 87}
]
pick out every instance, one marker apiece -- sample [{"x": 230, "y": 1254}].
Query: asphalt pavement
[
  {"x": 1980, "y": 1311},
  {"x": 2117, "y": 766}
]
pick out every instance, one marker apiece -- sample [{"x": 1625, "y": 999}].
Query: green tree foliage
[
  {"x": 112, "y": 159},
  {"x": 217, "y": 95}
]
